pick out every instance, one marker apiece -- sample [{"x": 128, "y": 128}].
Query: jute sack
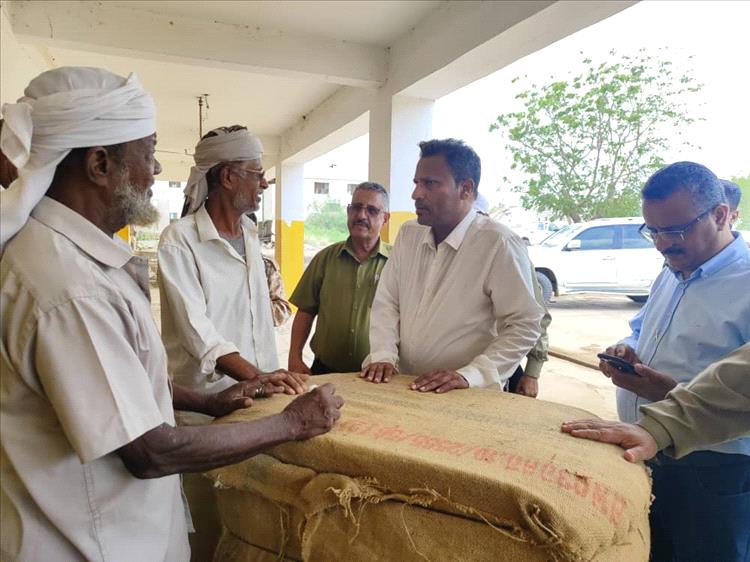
[
  {"x": 233, "y": 549},
  {"x": 470, "y": 475}
]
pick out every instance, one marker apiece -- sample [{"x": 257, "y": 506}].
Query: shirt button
[{"x": 352, "y": 330}]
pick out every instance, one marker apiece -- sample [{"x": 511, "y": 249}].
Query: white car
[{"x": 602, "y": 256}]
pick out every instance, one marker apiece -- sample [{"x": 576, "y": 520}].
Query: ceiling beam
[{"x": 99, "y": 27}]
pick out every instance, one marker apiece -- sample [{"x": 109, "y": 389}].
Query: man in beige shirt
[
  {"x": 90, "y": 452},
  {"x": 712, "y": 408}
]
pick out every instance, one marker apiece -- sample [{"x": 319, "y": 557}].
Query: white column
[
  {"x": 397, "y": 125},
  {"x": 290, "y": 229}
]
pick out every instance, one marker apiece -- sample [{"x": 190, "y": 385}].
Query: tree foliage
[
  {"x": 587, "y": 144},
  {"x": 326, "y": 223},
  {"x": 744, "y": 207}
]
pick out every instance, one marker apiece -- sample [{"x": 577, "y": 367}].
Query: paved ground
[{"x": 582, "y": 325}]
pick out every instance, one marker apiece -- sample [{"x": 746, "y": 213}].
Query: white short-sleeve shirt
[{"x": 84, "y": 373}]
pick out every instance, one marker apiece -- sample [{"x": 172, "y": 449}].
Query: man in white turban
[
  {"x": 90, "y": 451},
  {"x": 217, "y": 322}
]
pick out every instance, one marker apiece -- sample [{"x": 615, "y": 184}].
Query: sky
[{"x": 714, "y": 33}]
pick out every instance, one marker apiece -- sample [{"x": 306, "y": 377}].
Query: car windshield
[{"x": 557, "y": 238}]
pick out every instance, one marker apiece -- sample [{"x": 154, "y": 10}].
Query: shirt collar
[
  {"x": 112, "y": 252},
  {"x": 457, "y": 235},
  {"x": 381, "y": 248},
  {"x": 207, "y": 229},
  {"x": 731, "y": 253}
]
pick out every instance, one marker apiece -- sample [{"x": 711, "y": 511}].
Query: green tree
[
  {"x": 586, "y": 144},
  {"x": 326, "y": 223},
  {"x": 743, "y": 223}
]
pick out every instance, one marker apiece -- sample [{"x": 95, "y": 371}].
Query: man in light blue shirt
[{"x": 698, "y": 312}]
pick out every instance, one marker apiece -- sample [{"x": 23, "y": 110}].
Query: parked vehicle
[
  {"x": 602, "y": 256},
  {"x": 535, "y": 235}
]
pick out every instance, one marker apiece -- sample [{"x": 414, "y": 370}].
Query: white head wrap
[
  {"x": 63, "y": 109},
  {"x": 224, "y": 147}
]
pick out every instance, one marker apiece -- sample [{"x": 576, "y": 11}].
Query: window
[
  {"x": 350, "y": 187},
  {"x": 631, "y": 238},
  {"x": 321, "y": 188},
  {"x": 597, "y": 238},
  {"x": 175, "y": 184}
]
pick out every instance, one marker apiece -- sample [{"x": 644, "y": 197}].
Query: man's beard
[
  {"x": 243, "y": 204},
  {"x": 134, "y": 207}
]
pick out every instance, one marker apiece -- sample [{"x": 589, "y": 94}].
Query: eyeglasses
[
  {"x": 672, "y": 233},
  {"x": 260, "y": 174},
  {"x": 357, "y": 208}
]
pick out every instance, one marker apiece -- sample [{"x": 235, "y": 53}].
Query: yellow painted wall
[
  {"x": 290, "y": 247},
  {"x": 390, "y": 230}
]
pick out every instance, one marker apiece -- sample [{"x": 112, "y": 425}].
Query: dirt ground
[{"x": 582, "y": 325}]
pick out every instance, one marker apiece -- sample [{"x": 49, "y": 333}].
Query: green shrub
[{"x": 326, "y": 223}]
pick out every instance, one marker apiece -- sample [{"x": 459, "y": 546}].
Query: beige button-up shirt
[
  {"x": 466, "y": 304},
  {"x": 213, "y": 302},
  {"x": 83, "y": 374}
]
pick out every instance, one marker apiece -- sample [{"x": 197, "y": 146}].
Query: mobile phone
[{"x": 617, "y": 363}]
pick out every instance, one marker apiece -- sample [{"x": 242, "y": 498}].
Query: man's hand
[
  {"x": 292, "y": 383},
  {"x": 528, "y": 386},
  {"x": 646, "y": 382},
  {"x": 314, "y": 413},
  {"x": 297, "y": 365},
  {"x": 638, "y": 443},
  {"x": 240, "y": 395},
  {"x": 440, "y": 380},
  {"x": 620, "y": 350},
  {"x": 379, "y": 372}
]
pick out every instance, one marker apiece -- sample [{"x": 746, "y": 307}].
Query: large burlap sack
[
  {"x": 470, "y": 475},
  {"x": 234, "y": 549}
]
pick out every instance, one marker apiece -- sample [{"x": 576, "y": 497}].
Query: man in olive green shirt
[
  {"x": 712, "y": 408},
  {"x": 338, "y": 287}
]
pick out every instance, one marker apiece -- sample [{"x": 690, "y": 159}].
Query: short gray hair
[{"x": 373, "y": 186}]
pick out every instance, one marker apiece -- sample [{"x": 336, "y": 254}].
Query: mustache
[
  {"x": 421, "y": 206},
  {"x": 362, "y": 222},
  {"x": 672, "y": 252}
]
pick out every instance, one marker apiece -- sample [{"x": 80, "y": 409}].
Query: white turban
[
  {"x": 224, "y": 147},
  {"x": 63, "y": 109}
]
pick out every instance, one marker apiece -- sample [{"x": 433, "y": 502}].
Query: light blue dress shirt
[{"x": 687, "y": 324}]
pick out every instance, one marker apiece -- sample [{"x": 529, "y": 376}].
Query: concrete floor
[{"x": 582, "y": 325}]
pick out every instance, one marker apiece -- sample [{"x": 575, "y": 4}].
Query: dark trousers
[
  {"x": 514, "y": 379},
  {"x": 701, "y": 510},
  {"x": 320, "y": 368}
]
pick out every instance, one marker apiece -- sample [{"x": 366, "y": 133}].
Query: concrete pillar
[
  {"x": 397, "y": 125},
  {"x": 290, "y": 226}
]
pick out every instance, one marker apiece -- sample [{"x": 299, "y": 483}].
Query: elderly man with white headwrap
[
  {"x": 90, "y": 451},
  {"x": 217, "y": 322}
]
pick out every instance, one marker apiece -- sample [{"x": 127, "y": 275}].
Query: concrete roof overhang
[{"x": 302, "y": 74}]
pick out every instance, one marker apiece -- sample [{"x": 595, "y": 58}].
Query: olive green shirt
[
  {"x": 712, "y": 408},
  {"x": 539, "y": 353},
  {"x": 339, "y": 290}
]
